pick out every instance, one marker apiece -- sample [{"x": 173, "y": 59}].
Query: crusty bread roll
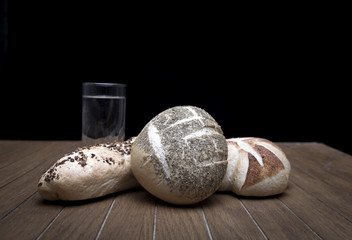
[
  {"x": 89, "y": 172},
  {"x": 180, "y": 156},
  {"x": 256, "y": 167}
]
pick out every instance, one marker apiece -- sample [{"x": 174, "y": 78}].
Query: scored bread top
[
  {"x": 187, "y": 150},
  {"x": 263, "y": 160}
]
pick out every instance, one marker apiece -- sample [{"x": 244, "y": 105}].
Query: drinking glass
[{"x": 103, "y": 112}]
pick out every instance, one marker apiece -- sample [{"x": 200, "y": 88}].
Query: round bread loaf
[
  {"x": 180, "y": 156},
  {"x": 256, "y": 167},
  {"x": 89, "y": 172}
]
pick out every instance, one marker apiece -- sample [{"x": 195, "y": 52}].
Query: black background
[{"x": 280, "y": 79}]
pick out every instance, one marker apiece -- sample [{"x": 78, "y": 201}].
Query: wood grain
[
  {"x": 28, "y": 220},
  {"x": 311, "y": 164},
  {"x": 13, "y": 151},
  {"x": 228, "y": 219},
  {"x": 336, "y": 198},
  {"x": 317, "y": 204},
  {"x": 25, "y": 164},
  {"x": 19, "y": 188},
  {"x": 79, "y": 220},
  {"x": 276, "y": 220},
  {"x": 188, "y": 220},
  {"x": 131, "y": 216},
  {"x": 323, "y": 220}
]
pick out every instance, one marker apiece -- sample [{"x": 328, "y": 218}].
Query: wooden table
[{"x": 317, "y": 204}]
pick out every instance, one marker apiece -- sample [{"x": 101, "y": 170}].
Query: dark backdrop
[{"x": 283, "y": 81}]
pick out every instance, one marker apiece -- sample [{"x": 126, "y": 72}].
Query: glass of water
[{"x": 103, "y": 112}]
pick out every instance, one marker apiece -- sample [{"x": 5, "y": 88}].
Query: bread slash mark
[
  {"x": 248, "y": 148},
  {"x": 255, "y": 173},
  {"x": 194, "y": 117},
  {"x": 155, "y": 140},
  {"x": 202, "y": 132}
]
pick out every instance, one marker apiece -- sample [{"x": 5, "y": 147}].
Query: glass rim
[{"x": 104, "y": 84}]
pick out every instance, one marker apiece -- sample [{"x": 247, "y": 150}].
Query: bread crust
[
  {"x": 89, "y": 172},
  {"x": 180, "y": 156},
  {"x": 256, "y": 167}
]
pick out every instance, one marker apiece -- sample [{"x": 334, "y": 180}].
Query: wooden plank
[
  {"x": 79, "y": 219},
  {"x": 9, "y": 146},
  {"x": 326, "y": 158},
  {"x": 16, "y": 150},
  {"x": 180, "y": 222},
  {"x": 331, "y": 159},
  {"x": 48, "y": 152},
  {"x": 308, "y": 162},
  {"x": 17, "y": 191},
  {"x": 131, "y": 216},
  {"x": 276, "y": 220},
  {"x": 323, "y": 220},
  {"x": 228, "y": 219},
  {"x": 29, "y": 219},
  {"x": 340, "y": 201},
  {"x": 332, "y": 197},
  {"x": 316, "y": 205}
]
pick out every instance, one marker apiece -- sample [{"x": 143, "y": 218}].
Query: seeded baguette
[
  {"x": 180, "y": 156},
  {"x": 256, "y": 167},
  {"x": 89, "y": 172}
]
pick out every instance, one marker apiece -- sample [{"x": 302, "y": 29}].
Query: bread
[
  {"x": 256, "y": 167},
  {"x": 89, "y": 172},
  {"x": 180, "y": 156}
]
